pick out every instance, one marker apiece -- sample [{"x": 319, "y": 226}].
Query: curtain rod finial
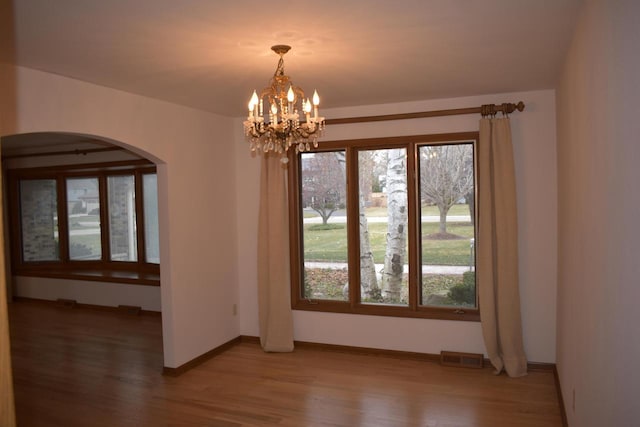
[{"x": 520, "y": 106}]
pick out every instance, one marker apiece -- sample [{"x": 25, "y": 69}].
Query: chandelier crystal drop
[{"x": 273, "y": 124}]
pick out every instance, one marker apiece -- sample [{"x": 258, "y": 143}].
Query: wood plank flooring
[{"x": 83, "y": 367}]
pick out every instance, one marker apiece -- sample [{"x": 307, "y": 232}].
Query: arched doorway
[{"x": 101, "y": 238}]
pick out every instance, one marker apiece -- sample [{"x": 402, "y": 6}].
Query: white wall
[
  {"x": 599, "y": 208},
  {"x": 89, "y": 292},
  {"x": 196, "y": 194},
  {"x": 535, "y": 157}
]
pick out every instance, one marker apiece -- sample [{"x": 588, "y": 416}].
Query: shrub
[
  {"x": 79, "y": 250},
  {"x": 465, "y": 293},
  {"x": 77, "y": 208}
]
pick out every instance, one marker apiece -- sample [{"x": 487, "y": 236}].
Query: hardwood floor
[{"x": 83, "y": 367}]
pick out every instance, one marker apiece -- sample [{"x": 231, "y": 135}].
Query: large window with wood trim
[
  {"x": 386, "y": 227},
  {"x": 93, "y": 222}
]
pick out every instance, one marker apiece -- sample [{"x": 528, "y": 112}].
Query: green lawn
[
  {"x": 331, "y": 244},
  {"x": 84, "y": 245},
  {"x": 75, "y": 222}
]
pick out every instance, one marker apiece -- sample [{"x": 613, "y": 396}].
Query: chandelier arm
[
  {"x": 256, "y": 132},
  {"x": 305, "y": 133},
  {"x": 298, "y": 91}
]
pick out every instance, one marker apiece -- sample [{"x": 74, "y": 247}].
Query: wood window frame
[
  {"x": 353, "y": 306},
  {"x": 137, "y": 272}
]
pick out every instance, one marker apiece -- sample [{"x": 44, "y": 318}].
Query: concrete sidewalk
[{"x": 341, "y": 219}]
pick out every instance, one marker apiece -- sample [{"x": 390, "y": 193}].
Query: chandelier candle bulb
[
  {"x": 254, "y": 104},
  {"x": 316, "y": 102},
  {"x": 287, "y": 101},
  {"x": 307, "y": 109}
]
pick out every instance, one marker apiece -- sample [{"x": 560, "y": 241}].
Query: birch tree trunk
[
  {"x": 368, "y": 281},
  {"x": 396, "y": 226}
]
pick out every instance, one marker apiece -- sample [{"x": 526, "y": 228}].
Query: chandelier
[{"x": 285, "y": 105}]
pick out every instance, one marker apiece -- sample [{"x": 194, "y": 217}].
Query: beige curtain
[
  {"x": 274, "y": 291},
  {"x": 498, "y": 249}
]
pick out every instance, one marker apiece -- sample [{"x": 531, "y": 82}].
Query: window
[
  {"x": 122, "y": 218},
  {"x": 39, "y": 220},
  {"x": 106, "y": 211},
  {"x": 151, "y": 226},
  {"x": 83, "y": 221},
  {"x": 323, "y": 194},
  {"x": 386, "y": 227}
]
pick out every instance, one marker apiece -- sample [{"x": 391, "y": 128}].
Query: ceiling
[{"x": 211, "y": 54}]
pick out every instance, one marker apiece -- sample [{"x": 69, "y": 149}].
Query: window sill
[
  {"x": 95, "y": 275},
  {"x": 436, "y": 313}
]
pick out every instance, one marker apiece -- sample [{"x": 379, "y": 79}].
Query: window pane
[
  {"x": 447, "y": 225},
  {"x": 122, "y": 218},
  {"x": 323, "y": 182},
  {"x": 39, "y": 220},
  {"x": 383, "y": 226},
  {"x": 84, "y": 218},
  {"x": 150, "y": 201}
]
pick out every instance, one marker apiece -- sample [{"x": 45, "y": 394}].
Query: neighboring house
[{"x": 89, "y": 200}]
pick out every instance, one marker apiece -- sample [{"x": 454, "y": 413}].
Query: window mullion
[
  {"x": 141, "y": 247},
  {"x": 413, "y": 229},
  {"x": 104, "y": 218},
  {"x": 295, "y": 227},
  {"x": 63, "y": 219},
  {"x": 353, "y": 233}
]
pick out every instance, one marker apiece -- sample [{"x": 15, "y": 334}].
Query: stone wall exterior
[
  {"x": 122, "y": 230},
  {"x": 38, "y": 200}
]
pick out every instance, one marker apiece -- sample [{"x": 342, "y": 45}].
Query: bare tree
[
  {"x": 324, "y": 184},
  {"x": 446, "y": 176},
  {"x": 396, "y": 184}
]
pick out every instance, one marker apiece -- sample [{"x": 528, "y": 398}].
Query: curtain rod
[
  {"x": 62, "y": 153},
  {"x": 487, "y": 109}
]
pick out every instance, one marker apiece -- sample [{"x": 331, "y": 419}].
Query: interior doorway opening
[{"x": 81, "y": 222}]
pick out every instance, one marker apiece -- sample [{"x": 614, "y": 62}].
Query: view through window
[
  {"x": 83, "y": 200},
  {"x": 387, "y": 228},
  {"x": 39, "y": 220},
  {"x": 105, "y": 214}
]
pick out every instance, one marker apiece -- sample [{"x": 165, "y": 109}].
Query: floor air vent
[
  {"x": 67, "y": 303},
  {"x": 130, "y": 309},
  {"x": 463, "y": 360}
]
